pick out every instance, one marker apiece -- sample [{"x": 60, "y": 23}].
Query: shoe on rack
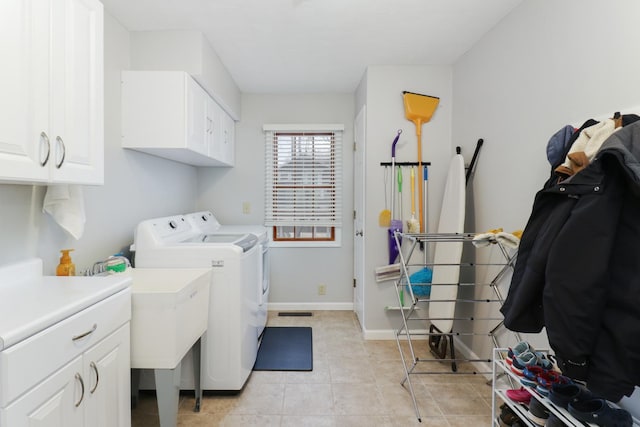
[
  {"x": 547, "y": 379},
  {"x": 519, "y": 395},
  {"x": 530, "y": 375},
  {"x": 543, "y": 361},
  {"x": 554, "y": 421},
  {"x": 522, "y": 361},
  {"x": 564, "y": 393},
  {"x": 554, "y": 362},
  {"x": 518, "y": 349},
  {"x": 538, "y": 413},
  {"x": 507, "y": 416},
  {"x": 598, "y": 411},
  {"x": 528, "y": 359}
]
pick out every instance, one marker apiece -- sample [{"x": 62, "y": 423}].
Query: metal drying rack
[{"x": 413, "y": 324}]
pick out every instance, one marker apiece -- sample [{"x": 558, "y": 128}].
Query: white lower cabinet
[
  {"x": 168, "y": 114},
  {"x": 75, "y": 372},
  {"x": 51, "y": 403},
  {"x": 91, "y": 390},
  {"x": 108, "y": 381}
]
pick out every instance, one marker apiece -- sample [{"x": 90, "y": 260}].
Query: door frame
[{"x": 359, "y": 194}]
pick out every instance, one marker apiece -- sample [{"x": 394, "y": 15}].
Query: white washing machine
[
  {"x": 207, "y": 223},
  {"x": 230, "y": 345}
]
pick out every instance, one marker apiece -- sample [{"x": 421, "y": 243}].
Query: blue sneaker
[
  {"x": 522, "y": 361},
  {"x": 517, "y": 350}
]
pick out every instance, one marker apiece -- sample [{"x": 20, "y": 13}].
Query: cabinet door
[
  {"x": 77, "y": 137},
  {"x": 56, "y": 402},
  {"x": 24, "y": 85},
  {"x": 198, "y": 123},
  {"x": 228, "y": 139},
  {"x": 215, "y": 113},
  {"x": 223, "y": 133},
  {"x": 108, "y": 383}
]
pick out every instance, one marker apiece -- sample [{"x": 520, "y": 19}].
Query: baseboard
[{"x": 310, "y": 306}]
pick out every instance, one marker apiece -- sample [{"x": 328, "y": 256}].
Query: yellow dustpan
[{"x": 419, "y": 109}]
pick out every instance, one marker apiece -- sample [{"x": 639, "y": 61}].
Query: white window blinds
[{"x": 303, "y": 183}]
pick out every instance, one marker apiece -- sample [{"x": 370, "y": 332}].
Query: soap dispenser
[{"x": 66, "y": 266}]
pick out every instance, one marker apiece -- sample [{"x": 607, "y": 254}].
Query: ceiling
[{"x": 308, "y": 46}]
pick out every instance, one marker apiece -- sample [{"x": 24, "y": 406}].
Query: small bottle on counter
[{"x": 66, "y": 266}]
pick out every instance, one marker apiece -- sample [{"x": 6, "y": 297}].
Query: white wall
[
  {"x": 136, "y": 187},
  {"x": 548, "y": 64},
  {"x": 385, "y": 115},
  {"x": 295, "y": 273},
  {"x": 189, "y": 51}
]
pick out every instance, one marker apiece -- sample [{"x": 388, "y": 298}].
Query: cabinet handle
[
  {"x": 64, "y": 151},
  {"x": 95, "y": 368},
  {"x": 44, "y": 136},
  {"x": 89, "y": 332},
  {"x": 79, "y": 378}
]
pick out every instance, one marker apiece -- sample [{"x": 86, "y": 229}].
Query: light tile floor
[{"x": 354, "y": 382}]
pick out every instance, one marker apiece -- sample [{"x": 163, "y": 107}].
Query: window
[{"x": 303, "y": 185}]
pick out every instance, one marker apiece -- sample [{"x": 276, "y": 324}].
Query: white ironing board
[{"x": 451, "y": 221}]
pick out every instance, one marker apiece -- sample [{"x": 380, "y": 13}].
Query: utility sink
[
  {"x": 169, "y": 314},
  {"x": 170, "y": 309}
]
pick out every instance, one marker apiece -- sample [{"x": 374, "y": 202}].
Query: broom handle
[
  {"x": 413, "y": 190},
  {"x": 418, "y": 131}
]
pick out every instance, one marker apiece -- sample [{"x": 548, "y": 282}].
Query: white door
[
  {"x": 56, "y": 402},
  {"x": 24, "y": 85},
  {"x": 358, "y": 218},
  {"x": 77, "y": 138},
  {"x": 108, "y": 381}
]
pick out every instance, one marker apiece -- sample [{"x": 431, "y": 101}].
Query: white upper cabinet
[
  {"x": 168, "y": 114},
  {"x": 51, "y": 81}
]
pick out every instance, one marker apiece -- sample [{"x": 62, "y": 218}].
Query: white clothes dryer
[{"x": 230, "y": 345}]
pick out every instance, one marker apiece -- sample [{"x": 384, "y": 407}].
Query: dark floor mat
[{"x": 285, "y": 348}]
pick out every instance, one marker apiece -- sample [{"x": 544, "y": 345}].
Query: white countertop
[{"x": 30, "y": 302}]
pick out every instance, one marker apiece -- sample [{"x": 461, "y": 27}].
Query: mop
[{"x": 396, "y": 224}]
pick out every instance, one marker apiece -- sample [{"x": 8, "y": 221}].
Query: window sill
[{"x": 334, "y": 244}]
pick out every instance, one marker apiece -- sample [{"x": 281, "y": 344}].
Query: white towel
[
  {"x": 508, "y": 239},
  {"x": 65, "y": 203}
]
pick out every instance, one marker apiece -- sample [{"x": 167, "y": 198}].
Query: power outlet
[
  {"x": 246, "y": 208},
  {"x": 322, "y": 289}
]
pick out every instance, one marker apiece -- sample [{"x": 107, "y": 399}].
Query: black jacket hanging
[{"x": 578, "y": 269}]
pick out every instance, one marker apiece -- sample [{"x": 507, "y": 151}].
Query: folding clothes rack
[{"x": 413, "y": 325}]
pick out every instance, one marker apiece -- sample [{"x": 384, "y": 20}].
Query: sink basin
[{"x": 170, "y": 309}]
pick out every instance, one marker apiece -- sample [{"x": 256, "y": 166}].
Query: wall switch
[
  {"x": 246, "y": 208},
  {"x": 322, "y": 289}
]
